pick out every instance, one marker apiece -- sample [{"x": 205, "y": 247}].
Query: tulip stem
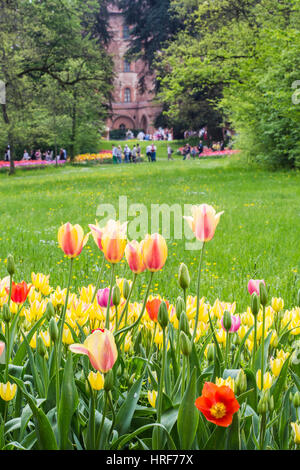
[
  {"x": 7, "y": 349},
  {"x": 255, "y": 340},
  {"x": 102, "y": 423},
  {"x": 125, "y": 309},
  {"x": 110, "y": 295},
  {"x": 136, "y": 323},
  {"x": 113, "y": 416},
  {"x": 227, "y": 350},
  {"x": 59, "y": 349},
  {"x": 157, "y": 432},
  {"x": 263, "y": 349},
  {"x": 98, "y": 281},
  {"x": 198, "y": 292}
]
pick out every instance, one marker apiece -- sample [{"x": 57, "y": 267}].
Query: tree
[{"x": 47, "y": 39}]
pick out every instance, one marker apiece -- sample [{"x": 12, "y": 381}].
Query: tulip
[
  {"x": 277, "y": 304},
  {"x": 7, "y": 391},
  {"x": 267, "y": 380},
  {"x": 101, "y": 349},
  {"x": 102, "y": 298},
  {"x": 133, "y": 254},
  {"x": 114, "y": 241},
  {"x": 97, "y": 233},
  {"x": 296, "y": 431},
  {"x": 2, "y": 347},
  {"x": 253, "y": 285},
  {"x": 96, "y": 380},
  {"x": 154, "y": 252},
  {"x": 235, "y": 324},
  {"x": 152, "y": 396},
  {"x": 204, "y": 221},
  {"x": 218, "y": 404},
  {"x": 71, "y": 239},
  {"x": 152, "y": 307},
  {"x": 19, "y": 292}
]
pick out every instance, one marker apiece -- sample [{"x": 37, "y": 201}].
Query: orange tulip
[
  {"x": 204, "y": 221},
  {"x": 218, "y": 404},
  {"x": 154, "y": 252},
  {"x": 71, "y": 239},
  {"x": 19, "y": 292},
  {"x": 152, "y": 307},
  {"x": 101, "y": 349},
  {"x": 114, "y": 241},
  {"x": 133, "y": 253}
]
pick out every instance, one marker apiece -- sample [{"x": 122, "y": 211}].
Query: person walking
[
  {"x": 170, "y": 151},
  {"x": 127, "y": 154},
  {"x": 138, "y": 152},
  {"x": 153, "y": 153},
  {"x": 119, "y": 154},
  {"x": 115, "y": 154},
  {"x": 148, "y": 152},
  {"x": 134, "y": 154},
  {"x": 7, "y": 154}
]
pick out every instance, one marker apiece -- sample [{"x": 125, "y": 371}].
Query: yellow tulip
[
  {"x": 229, "y": 382},
  {"x": 152, "y": 398},
  {"x": 268, "y": 380},
  {"x": 276, "y": 366},
  {"x": 277, "y": 304},
  {"x": 96, "y": 380},
  {"x": 7, "y": 391},
  {"x": 296, "y": 431}
]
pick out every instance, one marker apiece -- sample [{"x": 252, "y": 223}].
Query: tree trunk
[
  {"x": 10, "y": 139},
  {"x": 74, "y": 126}
]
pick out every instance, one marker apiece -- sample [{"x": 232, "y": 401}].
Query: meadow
[{"x": 258, "y": 236}]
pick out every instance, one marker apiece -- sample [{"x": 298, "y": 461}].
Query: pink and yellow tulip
[
  {"x": 101, "y": 349},
  {"x": 71, "y": 239},
  {"x": 114, "y": 241},
  {"x": 203, "y": 222},
  {"x": 133, "y": 254},
  {"x": 154, "y": 252}
]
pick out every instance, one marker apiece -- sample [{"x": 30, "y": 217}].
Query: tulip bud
[
  {"x": 211, "y": 353},
  {"x": 184, "y": 323},
  {"x": 262, "y": 406},
  {"x": 241, "y": 382},
  {"x": 255, "y": 303},
  {"x": 126, "y": 289},
  {"x": 163, "y": 316},
  {"x": 109, "y": 381},
  {"x": 41, "y": 348},
  {"x": 10, "y": 265},
  {"x": 185, "y": 344},
  {"x": 6, "y": 314},
  {"x": 50, "y": 312},
  {"x": 271, "y": 404},
  {"x": 263, "y": 294},
  {"x": 53, "y": 330},
  {"x": 296, "y": 400},
  {"x": 180, "y": 307},
  {"x": 116, "y": 295},
  {"x": 138, "y": 342},
  {"x": 227, "y": 322},
  {"x": 184, "y": 279}
]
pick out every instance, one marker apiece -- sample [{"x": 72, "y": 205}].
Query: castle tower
[{"x": 130, "y": 108}]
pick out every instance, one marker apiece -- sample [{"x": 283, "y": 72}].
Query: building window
[
  {"x": 127, "y": 95},
  {"x": 126, "y": 32},
  {"x": 126, "y": 66}
]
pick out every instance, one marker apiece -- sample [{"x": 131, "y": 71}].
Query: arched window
[
  {"x": 126, "y": 32},
  {"x": 122, "y": 127},
  {"x": 126, "y": 66},
  {"x": 127, "y": 95}
]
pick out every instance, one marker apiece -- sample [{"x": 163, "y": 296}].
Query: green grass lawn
[{"x": 258, "y": 235}]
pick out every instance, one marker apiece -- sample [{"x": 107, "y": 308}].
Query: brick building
[{"x": 130, "y": 108}]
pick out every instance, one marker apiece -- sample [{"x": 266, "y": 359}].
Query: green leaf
[
  {"x": 234, "y": 436},
  {"x": 188, "y": 415},
  {"x": 257, "y": 360},
  {"x": 126, "y": 412},
  {"x": 67, "y": 405},
  {"x": 21, "y": 352},
  {"x": 279, "y": 384}
]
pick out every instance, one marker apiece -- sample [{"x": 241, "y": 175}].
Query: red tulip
[
  {"x": 19, "y": 292},
  {"x": 218, "y": 404}
]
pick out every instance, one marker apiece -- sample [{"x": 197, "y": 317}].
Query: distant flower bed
[
  {"x": 211, "y": 153},
  {"x": 31, "y": 163},
  {"x": 104, "y": 155}
]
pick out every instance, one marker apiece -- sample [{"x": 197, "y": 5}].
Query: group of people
[
  {"x": 193, "y": 152},
  {"x": 130, "y": 155},
  {"x": 159, "y": 134},
  {"x": 46, "y": 155}
]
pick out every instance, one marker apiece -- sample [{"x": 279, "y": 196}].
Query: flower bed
[
  {"x": 31, "y": 163},
  {"x": 94, "y": 369},
  {"x": 104, "y": 156},
  {"x": 207, "y": 152}
]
